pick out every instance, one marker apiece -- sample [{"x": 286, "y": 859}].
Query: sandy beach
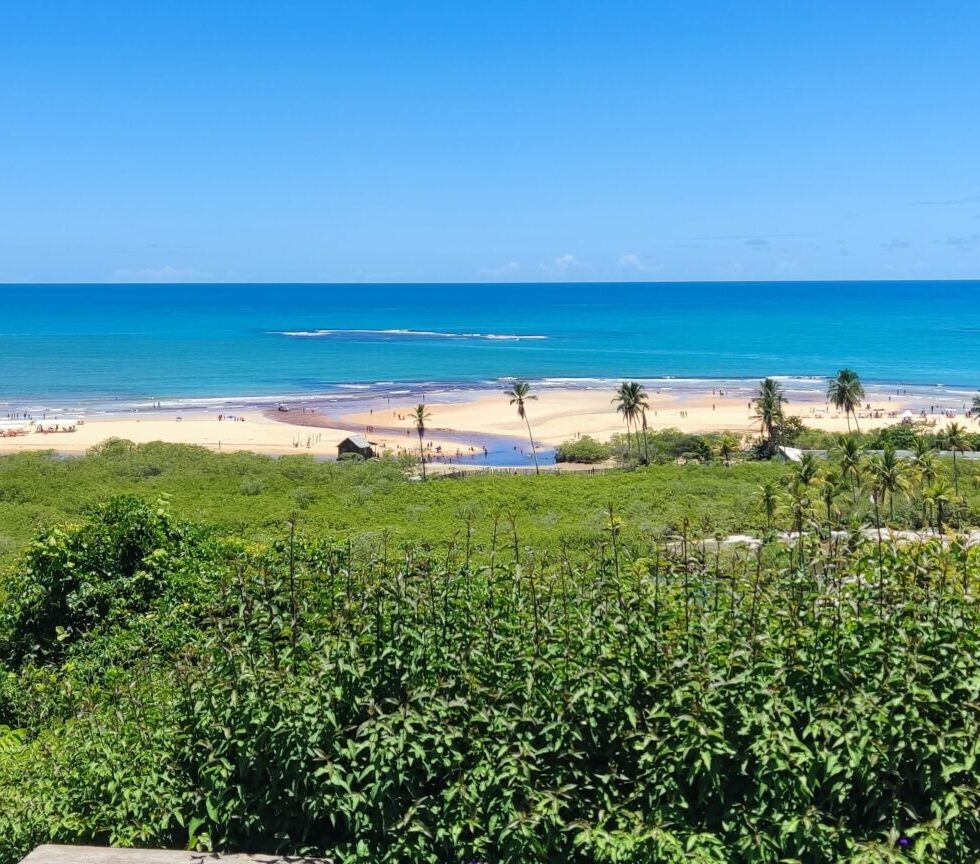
[
  {"x": 252, "y": 430},
  {"x": 461, "y": 423},
  {"x": 560, "y": 414}
]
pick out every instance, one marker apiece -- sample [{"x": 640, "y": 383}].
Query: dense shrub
[
  {"x": 107, "y": 570},
  {"x": 585, "y": 450},
  {"x": 626, "y": 702},
  {"x": 666, "y": 445}
]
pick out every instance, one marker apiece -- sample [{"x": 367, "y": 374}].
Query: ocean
[{"x": 99, "y": 346}]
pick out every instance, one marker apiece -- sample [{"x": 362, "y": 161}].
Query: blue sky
[{"x": 198, "y": 140}]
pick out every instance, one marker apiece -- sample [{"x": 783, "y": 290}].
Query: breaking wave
[{"x": 409, "y": 334}]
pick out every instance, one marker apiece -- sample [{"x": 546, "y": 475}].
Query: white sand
[{"x": 556, "y": 416}]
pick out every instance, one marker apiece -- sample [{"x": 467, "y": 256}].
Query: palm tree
[
  {"x": 940, "y": 496},
  {"x": 769, "y": 403},
  {"x": 923, "y": 462},
  {"x": 888, "y": 477},
  {"x": 727, "y": 447},
  {"x": 631, "y": 402},
  {"x": 804, "y": 473},
  {"x": 849, "y": 452},
  {"x": 976, "y": 407},
  {"x": 921, "y": 446},
  {"x": 769, "y": 499},
  {"x": 642, "y": 403},
  {"x": 846, "y": 391},
  {"x": 954, "y": 437},
  {"x": 520, "y": 393},
  {"x": 646, "y": 441},
  {"x": 830, "y": 488},
  {"x": 420, "y": 415},
  {"x": 802, "y": 511}
]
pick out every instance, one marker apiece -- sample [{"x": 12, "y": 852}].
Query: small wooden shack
[{"x": 355, "y": 444}]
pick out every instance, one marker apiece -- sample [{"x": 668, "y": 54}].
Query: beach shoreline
[{"x": 472, "y": 424}]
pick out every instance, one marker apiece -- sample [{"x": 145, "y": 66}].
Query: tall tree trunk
[
  {"x": 856, "y": 424},
  {"x": 646, "y": 444},
  {"x": 534, "y": 452},
  {"x": 422, "y": 454}
]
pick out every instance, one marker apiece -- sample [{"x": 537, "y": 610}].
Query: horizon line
[{"x": 507, "y": 282}]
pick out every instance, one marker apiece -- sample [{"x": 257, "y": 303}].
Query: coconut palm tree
[
  {"x": 921, "y": 446},
  {"x": 976, "y": 407},
  {"x": 830, "y": 488},
  {"x": 727, "y": 448},
  {"x": 954, "y": 437},
  {"x": 888, "y": 477},
  {"x": 631, "y": 401},
  {"x": 849, "y": 453},
  {"x": 805, "y": 472},
  {"x": 846, "y": 391},
  {"x": 419, "y": 416},
  {"x": 769, "y": 499},
  {"x": 769, "y": 403},
  {"x": 520, "y": 393},
  {"x": 802, "y": 511},
  {"x": 625, "y": 407},
  {"x": 923, "y": 463},
  {"x": 646, "y": 441},
  {"x": 642, "y": 403},
  {"x": 939, "y": 496}
]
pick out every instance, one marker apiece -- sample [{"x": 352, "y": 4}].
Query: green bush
[
  {"x": 585, "y": 450},
  {"x": 667, "y": 445},
  {"x": 75, "y": 579},
  {"x": 625, "y": 701},
  {"x": 251, "y": 486}
]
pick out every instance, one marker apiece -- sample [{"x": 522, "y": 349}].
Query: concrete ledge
[{"x": 51, "y": 854}]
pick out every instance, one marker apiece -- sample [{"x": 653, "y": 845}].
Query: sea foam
[{"x": 410, "y": 334}]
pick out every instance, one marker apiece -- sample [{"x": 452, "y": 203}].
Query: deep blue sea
[{"x": 95, "y": 344}]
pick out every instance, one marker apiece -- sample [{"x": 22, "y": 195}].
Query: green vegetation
[
  {"x": 899, "y": 436},
  {"x": 254, "y": 495},
  {"x": 585, "y": 450},
  {"x": 483, "y": 699},
  {"x": 230, "y": 652},
  {"x": 660, "y": 447},
  {"x": 249, "y": 494}
]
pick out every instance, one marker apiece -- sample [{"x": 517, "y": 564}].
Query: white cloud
[
  {"x": 634, "y": 264},
  {"x": 509, "y": 269},
  {"x": 562, "y": 267}
]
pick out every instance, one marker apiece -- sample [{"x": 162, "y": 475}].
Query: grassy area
[{"x": 258, "y": 494}]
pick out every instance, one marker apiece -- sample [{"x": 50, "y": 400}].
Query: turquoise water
[{"x": 92, "y": 344}]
